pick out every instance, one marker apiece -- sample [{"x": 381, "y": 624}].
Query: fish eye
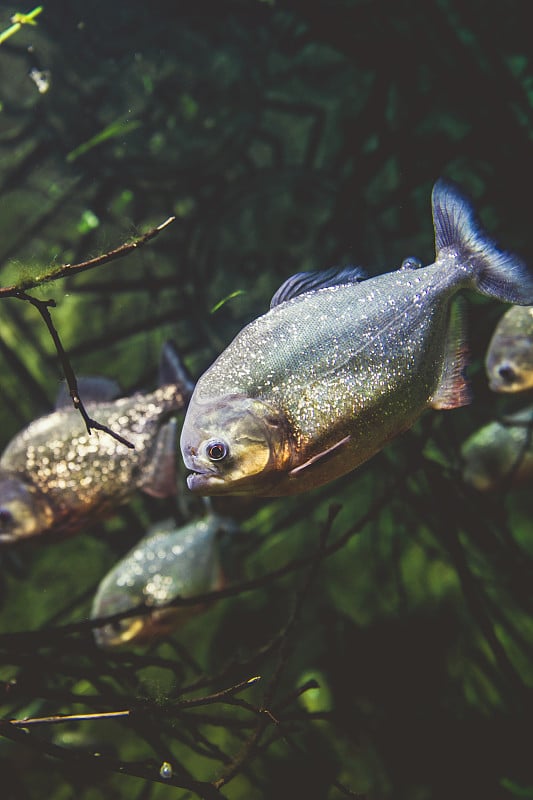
[
  {"x": 216, "y": 451},
  {"x": 115, "y": 628},
  {"x": 507, "y": 374}
]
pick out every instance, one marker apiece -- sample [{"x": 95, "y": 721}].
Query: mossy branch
[
  {"x": 19, "y": 291},
  {"x": 68, "y": 270}
]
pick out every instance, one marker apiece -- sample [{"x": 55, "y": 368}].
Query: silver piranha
[
  {"x": 168, "y": 562},
  {"x": 509, "y": 361},
  {"x": 339, "y": 366},
  {"x": 55, "y": 476},
  {"x": 500, "y": 454}
]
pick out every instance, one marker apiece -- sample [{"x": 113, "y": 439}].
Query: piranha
[
  {"x": 339, "y": 366},
  {"x": 54, "y": 475},
  {"x": 500, "y": 454},
  {"x": 168, "y": 562},
  {"x": 509, "y": 361}
]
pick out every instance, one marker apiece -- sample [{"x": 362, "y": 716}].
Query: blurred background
[{"x": 284, "y": 136}]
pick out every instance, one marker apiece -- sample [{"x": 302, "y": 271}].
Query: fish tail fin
[{"x": 494, "y": 273}]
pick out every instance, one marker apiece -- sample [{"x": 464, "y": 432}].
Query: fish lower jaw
[{"x": 205, "y": 483}]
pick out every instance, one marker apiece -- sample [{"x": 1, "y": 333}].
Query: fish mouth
[
  {"x": 497, "y": 385},
  {"x": 201, "y": 475},
  {"x": 199, "y": 480}
]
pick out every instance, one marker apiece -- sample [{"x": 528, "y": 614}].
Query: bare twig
[
  {"x": 218, "y": 697},
  {"x": 223, "y": 696},
  {"x": 24, "y": 723},
  {"x": 147, "y": 770},
  {"x": 42, "y": 307},
  {"x": 268, "y": 717}
]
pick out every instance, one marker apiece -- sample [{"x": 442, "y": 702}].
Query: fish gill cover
[{"x": 373, "y": 638}]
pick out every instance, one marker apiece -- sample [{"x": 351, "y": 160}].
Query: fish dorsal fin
[
  {"x": 172, "y": 370},
  {"x": 322, "y": 457},
  {"x": 453, "y": 390},
  {"x": 91, "y": 390},
  {"x": 304, "y": 282}
]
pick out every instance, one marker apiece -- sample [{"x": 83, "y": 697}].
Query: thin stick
[
  {"x": 23, "y": 723},
  {"x": 42, "y": 307},
  {"x": 218, "y": 697}
]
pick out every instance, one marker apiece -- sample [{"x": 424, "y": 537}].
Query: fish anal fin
[
  {"x": 320, "y": 458},
  {"x": 159, "y": 476},
  {"x": 453, "y": 390}
]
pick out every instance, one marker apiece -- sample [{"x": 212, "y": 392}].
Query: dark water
[{"x": 283, "y": 136}]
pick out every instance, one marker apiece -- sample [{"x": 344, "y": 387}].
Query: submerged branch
[
  {"x": 19, "y": 292},
  {"x": 24, "y": 723},
  {"x": 148, "y": 770},
  {"x": 322, "y": 552},
  {"x": 42, "y": 307},
  {"x": 224, "y": 696},
  {"x": 68, "y": 270},
  {"x": 267, "y": 717}
]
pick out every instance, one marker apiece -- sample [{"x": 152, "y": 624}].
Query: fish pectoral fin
[
  {"x": 90, "y": 389},
  {"x": 304, "y": 282},
  {"x": 320, "y": 458},
  {"x": 159, "y": 476},
  {"x": 453, "y": 390}
]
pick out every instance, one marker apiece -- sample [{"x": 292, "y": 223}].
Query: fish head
[
  {"x": 509, "y": 360},
  {"x": 509, "y": 365},
  {"x": 24, "y": 510},
  {"x": 132, "y": 630},
  {"x": 112, "y": 599},
  {"x": 234, "y": 445},
  {"x": 119, "y": 632}
]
